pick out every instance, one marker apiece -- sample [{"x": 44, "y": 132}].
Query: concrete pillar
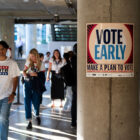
[
  {"x": 31, "y": 37},
  {"x": 107, "y": 107},
  {"x": 7, "y": 32}
]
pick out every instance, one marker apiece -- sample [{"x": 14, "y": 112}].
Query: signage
[{"x": 110, "y": 50}]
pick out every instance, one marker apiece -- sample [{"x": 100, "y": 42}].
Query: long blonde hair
[{"x": 36, "y": 54}]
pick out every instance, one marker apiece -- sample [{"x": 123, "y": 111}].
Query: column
[
  {"x": 107, "y": 107},
  {"x": 7, "y": 32},
  {"x": 31, "y": 37}
]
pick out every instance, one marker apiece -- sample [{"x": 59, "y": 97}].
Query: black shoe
[
  {"x": 73, "y": 126},
  {"x": 29, "y": 126},
  {"x": 38, "y": 120}
]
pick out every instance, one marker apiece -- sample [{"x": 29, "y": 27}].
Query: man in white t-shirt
[{"x": 9, "y": 73}]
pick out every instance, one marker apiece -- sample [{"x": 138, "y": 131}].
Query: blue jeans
[
  {"x": 4, "y": 118},
  {"x": 31, "y": 97},
  {"x": 68, "y": 97}
]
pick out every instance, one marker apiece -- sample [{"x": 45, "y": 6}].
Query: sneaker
[
  {"x": 29, "y": 126},
  {"x": 73, "y": 125},
  {"x": 66, "y": 110},
  {"x": 38, "y": 120}
]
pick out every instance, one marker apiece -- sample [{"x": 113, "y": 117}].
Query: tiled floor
[{"x": 55, "y": 124}]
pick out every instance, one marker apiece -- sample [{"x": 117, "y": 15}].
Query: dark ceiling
[{"x": 39, "y": 10}]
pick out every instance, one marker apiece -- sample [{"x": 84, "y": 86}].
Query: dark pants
[
  {"x": 74, "y": 106},
  {"x": 4, "y": 118},
  {"x": 57, "y": 86},
  {"x": 41, "y": 98},
  {"x": 20, "y": 51},
  {"x": 31, "y": 97}
]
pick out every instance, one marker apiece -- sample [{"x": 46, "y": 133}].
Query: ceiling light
[
  {"x": 25, "y": 0},
  {"x": 56, "y": 17}
]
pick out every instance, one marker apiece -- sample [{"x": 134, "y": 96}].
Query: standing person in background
[
  {"x": 71, "y": 53},
  {"x": 34, "y": 85},
  {"x": 41, "y": 55},
  {"x": 74, "y": 87},
  {"x": 67, "y": 75},
  {"x": 19, "y": 46},
  {"x": 46, "y": 61},
  {"x": 57, "y": 83},
  {"x": 9, "y": 73}
]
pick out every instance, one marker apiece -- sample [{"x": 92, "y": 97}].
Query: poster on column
[{"x": 110, "y": 50}]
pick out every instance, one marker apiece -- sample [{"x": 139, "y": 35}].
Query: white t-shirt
[
  {"x": 35, "y": 67},
  {"x": 56, "y": 66},
  {"x": 8, "y": 70},
  {"x": 19, "y": 43},
  {"x": 46, "y": 59}
]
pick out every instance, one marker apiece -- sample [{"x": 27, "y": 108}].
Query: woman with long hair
[
  {"x": 57, "y": 83},
  {"x": 34, "y": 85}
]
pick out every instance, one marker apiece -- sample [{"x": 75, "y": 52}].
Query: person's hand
[
  {"x": 11, "y": 98},
  {"x": 33, "y": 74},
  {"x": 47, "y": 79},
  {"x": 24, "y": 74}
]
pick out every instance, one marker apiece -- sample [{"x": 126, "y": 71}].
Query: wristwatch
[{"x": 14, "y": 93}]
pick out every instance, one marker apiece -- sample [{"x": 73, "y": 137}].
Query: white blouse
[
  {"x": 35, "y": 67},
  {"x": 55, "y": 65}
]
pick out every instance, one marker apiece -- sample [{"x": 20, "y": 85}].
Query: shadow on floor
[{"x": 55, "y": 123}]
